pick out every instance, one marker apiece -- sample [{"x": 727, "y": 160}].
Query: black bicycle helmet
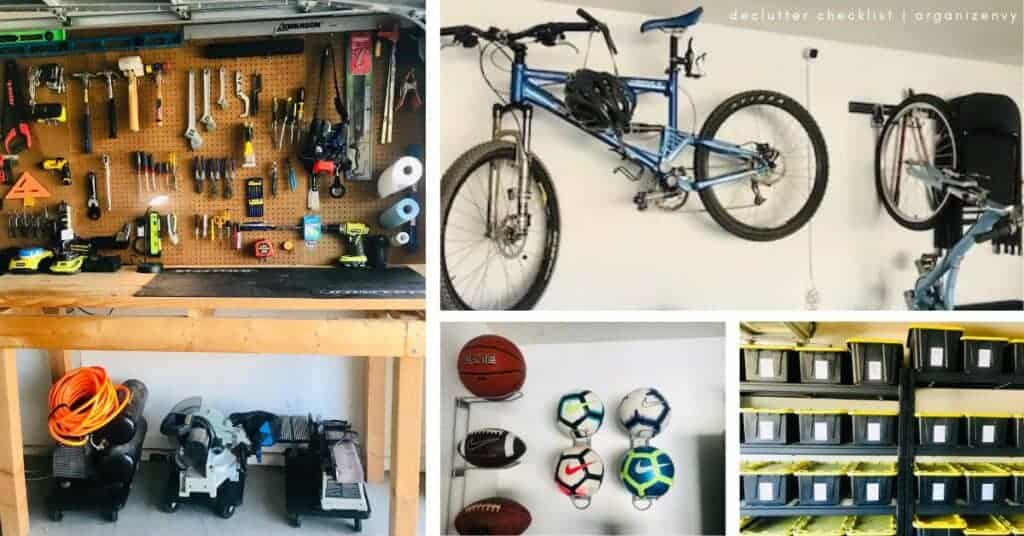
[{"x": 599, "y": 100}]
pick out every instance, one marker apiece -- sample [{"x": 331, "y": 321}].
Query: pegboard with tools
[{"x": 144, "y": 165}]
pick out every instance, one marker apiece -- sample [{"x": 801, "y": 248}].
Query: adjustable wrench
[
  {"x": 240, "y": 93},
  {"x": 222, "y": 101},
  {"x": 207, "y": 119},
  {"x": 194, "y": 139}
]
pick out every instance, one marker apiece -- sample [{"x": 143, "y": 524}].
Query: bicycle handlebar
[
  {"x": 547, "y": 34},
  {"x": 602, "y": 27}
]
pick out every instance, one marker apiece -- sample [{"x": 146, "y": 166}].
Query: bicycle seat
[{"x": 673, "y": 23}]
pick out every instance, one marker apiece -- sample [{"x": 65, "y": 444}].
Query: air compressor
[{"x": 95, "y": 472}]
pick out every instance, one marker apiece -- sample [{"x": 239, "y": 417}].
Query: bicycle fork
[{"x": 521, "y": 138}]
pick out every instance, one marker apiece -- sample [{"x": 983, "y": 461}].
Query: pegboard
[{"x": 282, "y": 77}]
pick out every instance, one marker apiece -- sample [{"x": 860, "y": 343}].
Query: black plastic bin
[
  {"x": 984, "y": 355},
  {"x": 769, "y": 363},
  {"x": 989, "y": 429},
  {"x": 872, "y": 484},
  {"x": 936, "y": 348},
  {"x": 1015, "y": 354},
  {"x": 1015, "y": 490},
  {"x": 985, "y": 483},
  {"x": 938, "y": 429},
  {"x": 875, "y": 427},
  {"x": 767, "y": 426},
  {"x": 768, "y": 483},
  {"x": 823, "y": 365},
  {"x": 937, "y": 483},
  {"x": 876, "y": 361},
  {"x": 821, "y": 484},
  {"x": 822, "y": 427}
]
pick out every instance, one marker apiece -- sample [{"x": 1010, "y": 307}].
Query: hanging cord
[
  {"x": 813, "y": 297},
  {"x": 84, "y": 401}
]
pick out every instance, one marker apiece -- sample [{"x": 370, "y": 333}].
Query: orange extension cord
[{"x": 84, "y": 401}]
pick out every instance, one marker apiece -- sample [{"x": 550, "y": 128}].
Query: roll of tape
[{"x": 399, "y": 239}]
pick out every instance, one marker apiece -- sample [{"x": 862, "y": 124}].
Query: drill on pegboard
[{"x": 355, "y": 250}]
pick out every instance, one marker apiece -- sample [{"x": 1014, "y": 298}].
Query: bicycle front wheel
[
  {"x": 918, "y": 132},
  {"x": 493, "y": 266}
]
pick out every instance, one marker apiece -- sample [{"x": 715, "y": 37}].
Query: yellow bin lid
[
  {"x": 873, "y": 469},
  {"x": 769, "y": 468},
  {"x": 821, "y": 349},
  {"x": 989, "y": 415},
  {"x": 989, "y": 525},
  {"x": 765, "y": 347},
  {"x": 872, "y": 526},
  {"x": 765, "y": 410},
  {"x": 823, "y": 469},
  {"x": 936, "y": 327},
  {"x": 938, "y": 415},
  {"x": 772, "y": 526},
  {"x": 873, "y": 340},
  {"x": 981, "y": 469},
  {"x": 935, "y": 469},
  {"x": 979, "y": 338},
  {"x": 1015, "y": 469},
  {"x": 952, "y": 521},
  {"x": 1016, "y": 341},
  {"x": 820, "y": 411},
  {"x": 822, "y": 526},
  {"x": 1015, "y": 522},
  {"x": 875, "y": 412}
]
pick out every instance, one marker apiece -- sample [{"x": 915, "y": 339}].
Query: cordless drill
[
  {"x": 355, "y": 251},
  {"x": 61, "y": 166}
]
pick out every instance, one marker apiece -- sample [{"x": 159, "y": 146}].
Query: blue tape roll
[{"x": 400, "y": 213}]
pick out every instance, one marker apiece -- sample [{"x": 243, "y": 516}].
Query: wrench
[
  {"x": 207, "y": 119},
  {"x": 222, "y": 101},
  {"x": 194, "y": 139},
  {"x": 106, "y": 171},
  {"x": 240, "y": 93}
]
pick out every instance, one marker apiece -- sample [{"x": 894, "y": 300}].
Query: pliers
[
  {"x": 17, "y": 136},
  {"x": 410, "y": 86}
]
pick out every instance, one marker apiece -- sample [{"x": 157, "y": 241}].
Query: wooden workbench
[{"x": 31, "y": 316}]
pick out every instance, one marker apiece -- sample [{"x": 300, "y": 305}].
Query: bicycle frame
[{"x": 943, "y": 277}]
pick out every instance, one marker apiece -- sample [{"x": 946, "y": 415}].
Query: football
[
  {"x": 580, "y": 414},
  {"x": 493, "y": 516},
  {"x": 644, "y": 413},
  {"x": 578, "y": 474},
  {"x": 491, "y": 448}
]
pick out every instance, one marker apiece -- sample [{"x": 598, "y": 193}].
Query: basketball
[{"x": 491, "y": 366}]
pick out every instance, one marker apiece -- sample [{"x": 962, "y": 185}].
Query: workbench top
[{"x": 121, "y": 289}]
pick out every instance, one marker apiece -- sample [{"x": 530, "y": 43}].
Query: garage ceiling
[{"x": 994, "y": 42}]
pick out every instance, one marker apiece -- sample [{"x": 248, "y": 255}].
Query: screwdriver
[{"x": 298, "y": 112}]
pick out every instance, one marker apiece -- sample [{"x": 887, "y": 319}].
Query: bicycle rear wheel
[
  {"x": 501, "y": 271},
  {"x": 778, "y": 202},
  {"x": 918, "y": 132}
]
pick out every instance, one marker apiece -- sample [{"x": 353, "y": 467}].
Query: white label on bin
[
  {"x": 820, "y": 492},
  {"x": 821, "y": 371},
  {"x": 874, "y": 431},
  {"x": 821, "y": 431},
  {"x": 984, "y": 358},
  {"x": 938, "y": 357},
  {"x": 988, "y": 433},
  {"x": 988, "y": 492},
  {"x": 766, "y": 367},
  {"x": 766, "y": 431},
  {"x": 871, "y": 491},
  {"x": 939, "y": 433},
  {"x": 938, "y": 491},
  {"x": 875, "y": 370},
  {"x": 765, "y": 491}
]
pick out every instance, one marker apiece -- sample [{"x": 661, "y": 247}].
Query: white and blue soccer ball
[
  {"x": 644, "y": 413},
  {"x": 580, "y": 414}
]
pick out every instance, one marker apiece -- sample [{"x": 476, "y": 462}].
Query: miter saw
[{"x": 210, "y": 462}]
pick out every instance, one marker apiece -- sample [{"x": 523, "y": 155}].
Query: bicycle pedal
[{"x": 641, "y": 201}]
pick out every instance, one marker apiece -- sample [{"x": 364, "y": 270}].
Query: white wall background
[
  {"x": 614, "y": 257},
  {"x": 684, "y": 361}
]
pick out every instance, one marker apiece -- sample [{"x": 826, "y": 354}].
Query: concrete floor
[{"x": 263, "y": 512}]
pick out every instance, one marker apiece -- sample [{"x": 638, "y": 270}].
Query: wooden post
[
  {"x": 406, "y": 438},
  {"x": 13, "y": 495},
  {"x": 61, "y": 361},
  {"x": 376, "y": 415}
]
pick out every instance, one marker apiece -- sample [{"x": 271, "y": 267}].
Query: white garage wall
[
  {"x": 686, "y": 366},
  {"x": 613, "y": 257}
]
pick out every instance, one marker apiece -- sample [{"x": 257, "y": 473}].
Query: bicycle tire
[
  {"x": 452, "y": 181},
  {"x": 708, "y": 196},
  {"x": 928, "y": 223}
]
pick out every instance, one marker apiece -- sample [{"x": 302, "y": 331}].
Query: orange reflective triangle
[{"x": 27, "y": 187}]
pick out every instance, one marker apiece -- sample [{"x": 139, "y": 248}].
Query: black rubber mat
[{"x": 328, "y": 283}]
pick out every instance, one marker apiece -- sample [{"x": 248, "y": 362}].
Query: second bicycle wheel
[
  {"x": 918, "y": 132},
  {"x": 778, "y": 202},
  {"x": 488, "y": 266}
]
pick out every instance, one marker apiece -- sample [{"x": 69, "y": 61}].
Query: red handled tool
[{"x": 15, "y": 121}]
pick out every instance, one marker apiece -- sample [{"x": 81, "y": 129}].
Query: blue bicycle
[{"x": 500, "y": 219}]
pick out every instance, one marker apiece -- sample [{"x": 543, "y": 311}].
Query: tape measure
[{"x": 263, "y": 249}]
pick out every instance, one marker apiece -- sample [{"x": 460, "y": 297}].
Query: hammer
[
  {"x": 132, "y": 68},
  {"x": 158, "y": 70},
  {"x": 87, "y": 114},
  {"x": 111, "y": 105}
]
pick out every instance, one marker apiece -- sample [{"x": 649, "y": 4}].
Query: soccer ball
[
  {"x": 644, "y": 412},
  {"x": 648, "y": 473},
  {"x": 580, "y": 414},
  {"x": 579, "y": 474}
]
